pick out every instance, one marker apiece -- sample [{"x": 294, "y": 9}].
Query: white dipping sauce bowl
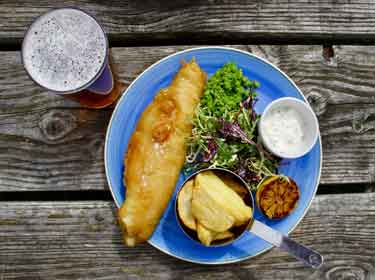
[{"x": 310, "y": 127}]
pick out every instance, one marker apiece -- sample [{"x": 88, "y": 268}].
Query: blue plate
[{"x": 168, "y": 236}]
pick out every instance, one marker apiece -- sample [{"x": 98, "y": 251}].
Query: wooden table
[{"x": 57, "y": 218}]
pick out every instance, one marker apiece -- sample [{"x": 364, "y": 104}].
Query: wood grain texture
[
  {"x": 80, "y": 240},
  {"x": 186, "y": 21},
  {"x": 48, "y": 142}
]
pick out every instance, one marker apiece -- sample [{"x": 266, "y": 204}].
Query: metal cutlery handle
[{"x": 301, "y": 252}]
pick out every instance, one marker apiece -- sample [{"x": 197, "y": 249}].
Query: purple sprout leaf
[
  {"x": 248, "y": 102},
  {"x": 247, "y": 175},
  {"x": 253, "y": 113},
  {"x": 234, "y": 130},
  {"x": 211, "y": 152},
  {"x": 241, "y": 171}
]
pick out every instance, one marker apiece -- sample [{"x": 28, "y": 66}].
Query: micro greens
[{"x": 224, "y": 128}]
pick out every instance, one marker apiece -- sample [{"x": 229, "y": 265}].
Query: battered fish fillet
[{"x": 156, "y": 153}]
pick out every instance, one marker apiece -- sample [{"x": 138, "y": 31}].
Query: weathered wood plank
[
  {"x": 59, "y": 150},
  {"x": 80, "y": 240},
  {"x": 184, "y": 21},
  {"x": 48, "y": 142}
]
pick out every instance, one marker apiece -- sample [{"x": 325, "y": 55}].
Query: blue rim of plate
[{"x": 123, "y": 99}]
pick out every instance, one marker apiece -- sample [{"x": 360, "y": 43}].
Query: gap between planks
[
  {"x": 180, "y": 40},
  {"x": 104, "y": 195}
]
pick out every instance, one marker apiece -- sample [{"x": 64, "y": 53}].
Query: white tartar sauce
[{"x": 283, "y": 130}]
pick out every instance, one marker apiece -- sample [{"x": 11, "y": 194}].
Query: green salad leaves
[{"x": 225, "y": 128}]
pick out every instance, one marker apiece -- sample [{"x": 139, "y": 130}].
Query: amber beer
[{"x": 66, "y": 51}]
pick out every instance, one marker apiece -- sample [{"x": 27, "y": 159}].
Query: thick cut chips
[
  {"x": 216, "y": 206},
  {"x": 184, "y": 205},
  {"x": 207, "y": 236}
]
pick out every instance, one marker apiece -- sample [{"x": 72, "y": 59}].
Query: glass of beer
[{"x": 66, "y": 51}]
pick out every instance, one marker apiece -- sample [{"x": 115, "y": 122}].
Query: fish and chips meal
[{"x": 196, "y": 124}]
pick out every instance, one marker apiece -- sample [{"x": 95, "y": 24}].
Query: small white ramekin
[{"x": 310, "y": 128}]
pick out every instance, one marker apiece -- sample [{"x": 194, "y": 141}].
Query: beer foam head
[{"x": 64, "y": 50}]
